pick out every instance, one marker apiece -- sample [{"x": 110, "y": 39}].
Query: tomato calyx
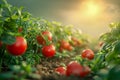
[{"x": 65, "y": 45}]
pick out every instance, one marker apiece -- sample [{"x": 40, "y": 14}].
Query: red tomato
[
  {"x": 74, "y": 68},
  {"x": 70, "y": 48},
  {"x": 61, "y": 70},
  {"x": 86, "y": 70},
  {"x": 76, "y": 42},
  {"x": 19, "y": 30},
  {"x": 48, "y": 34},
  {"x": 18, "y": 48},
  {"x": 41, "y": 40},
  {"x": 64, "y": 44},
  {"x": 88, "y": 53},
  {"x": 48, "y": 51},
  {"x": 0, "y": 43}
]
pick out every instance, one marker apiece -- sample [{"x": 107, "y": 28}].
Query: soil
[{"x": 46, "y": 69}]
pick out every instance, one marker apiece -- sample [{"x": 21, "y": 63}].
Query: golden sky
[{"x": 91, "y": 16}]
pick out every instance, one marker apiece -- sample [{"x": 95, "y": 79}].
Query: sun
[{"x": 91, "y": 8}]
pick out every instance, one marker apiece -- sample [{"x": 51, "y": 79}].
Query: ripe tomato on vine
[
  {"x": 48, "y": 50},
  {"x": 40, "y": 38},
  {"x": 88, "y": 53},
  {"x": 19, "y": 47}
]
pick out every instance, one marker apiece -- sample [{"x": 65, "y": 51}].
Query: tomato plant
[
  {"x": 18, "y": 48},
  {"x": 68, "y": 43},
  {"x": 48, "y": 51},
  {"x": 25, "y": 70}
]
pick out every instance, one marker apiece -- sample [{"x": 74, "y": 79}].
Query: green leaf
[
  {"x": 6, "y": 75},
  {"x": 117, "y": 48},
  {"x": 8, "y": 39},
  {"x": 114, "y": 73},
  {"x": 14, "y": 17},
  {"x": 15, "y": 68}
]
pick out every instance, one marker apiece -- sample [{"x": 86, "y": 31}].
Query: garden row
[{"x": 26, "y": 41}]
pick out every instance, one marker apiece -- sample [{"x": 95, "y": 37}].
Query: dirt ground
[{"x": 46, "y": 69}]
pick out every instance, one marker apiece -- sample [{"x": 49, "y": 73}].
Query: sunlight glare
[{"x": 91, "y": 8}]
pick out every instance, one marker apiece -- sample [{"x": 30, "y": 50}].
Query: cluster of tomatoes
[
  {"x": 20, "y": 45},
  {"x": 65, "y": 45},
  {"x": 75, "y": 68},
  {"x": 75, "y": 41},
  {"x": 48, "y": 49}
]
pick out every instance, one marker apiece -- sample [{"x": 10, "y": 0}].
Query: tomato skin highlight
[
  {"x": 48, "y": 51},
  {"x": 74, "y": 68},
  {"x": 88, "y": 53},
  {"x": 18, "y": 48},
  {"x": 41, "y": 40},
  {"x": 61, "y": 70}
]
